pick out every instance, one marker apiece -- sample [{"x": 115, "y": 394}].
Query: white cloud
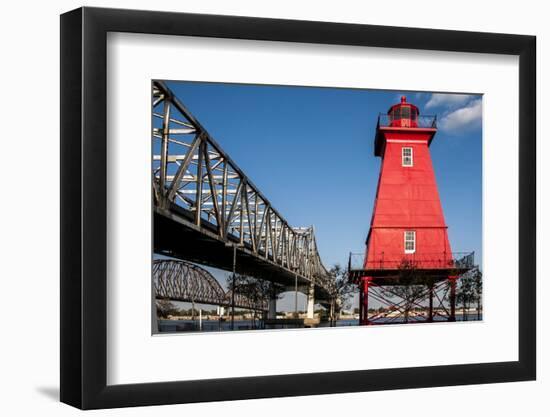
[
  {"x": 447, "y": 100},
  {"x": 464, "y": 118}
]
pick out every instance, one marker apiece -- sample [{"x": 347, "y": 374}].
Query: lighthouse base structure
[{"x": 391, "y": 301}]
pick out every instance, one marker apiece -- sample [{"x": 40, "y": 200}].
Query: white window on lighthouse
[
  {"x": 407, "y": 157},
  {"x": 410, "y": 241}
]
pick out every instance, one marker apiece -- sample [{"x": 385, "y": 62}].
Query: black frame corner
[{"x": 84, "y": 207}]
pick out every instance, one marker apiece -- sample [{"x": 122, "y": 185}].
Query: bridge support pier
[
  {"x": 364, "y": 317},
  {"x": 310, "y": 301}
]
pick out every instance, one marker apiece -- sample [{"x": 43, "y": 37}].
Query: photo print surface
[{"x": 283, "y": 207}]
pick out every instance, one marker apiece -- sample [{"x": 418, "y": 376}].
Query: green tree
[
  {"x": 411, "y": 285},
  {"x": 342, "y": 289},
  {"x": 254, "y": 290},
  {"x": 166, "y": 308},
  {"x": 469, "y": 292},
  {"x": 478, "y": 285}
]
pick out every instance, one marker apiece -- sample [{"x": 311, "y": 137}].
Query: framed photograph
[{"x": 262, "y": 208}]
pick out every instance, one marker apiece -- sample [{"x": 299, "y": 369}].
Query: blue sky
[{"x": 310, "y": 151}]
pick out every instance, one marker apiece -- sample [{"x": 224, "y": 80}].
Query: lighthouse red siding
[{"x": 407, "y": 199}]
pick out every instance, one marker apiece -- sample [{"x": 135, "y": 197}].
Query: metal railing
[
  {"x": 421, "y": 121},
  {"x": 440, "y": 260}
]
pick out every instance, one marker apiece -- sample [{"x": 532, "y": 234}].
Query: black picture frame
[{"x": 84, "y": 207}]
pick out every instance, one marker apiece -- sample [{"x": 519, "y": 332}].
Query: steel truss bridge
[
  {"x": 183, "y": 281},
  {"x": 206, "y": 209}
]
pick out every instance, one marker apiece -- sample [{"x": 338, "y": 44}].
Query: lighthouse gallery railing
[
  {"x": 422, "y": 121},
  {"x": 455, "y": 260}
]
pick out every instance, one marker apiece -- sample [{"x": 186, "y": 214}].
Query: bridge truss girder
[{"x": 196, "y": 181}]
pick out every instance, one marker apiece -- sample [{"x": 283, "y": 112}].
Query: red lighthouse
[{"x": 408, "y": 233}]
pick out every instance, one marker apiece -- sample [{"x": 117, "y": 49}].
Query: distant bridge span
[
  {"x": 183, "y": 281},
  {"x": 206, "y": 210}
]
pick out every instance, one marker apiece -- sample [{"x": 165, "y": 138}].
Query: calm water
[{"x": 170, "y": 326}]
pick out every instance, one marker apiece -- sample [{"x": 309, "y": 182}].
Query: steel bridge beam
[
  {"x": 177, "y": 239},
  {"x": 204, "y": 203}
]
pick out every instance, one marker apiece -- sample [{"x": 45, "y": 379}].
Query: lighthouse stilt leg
[
  {"x": 361, "y": 295},
  {"x": 452, "y": 299},
  {"x": 431, "y": 305},
  {"x": 365, "y": 304}
]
